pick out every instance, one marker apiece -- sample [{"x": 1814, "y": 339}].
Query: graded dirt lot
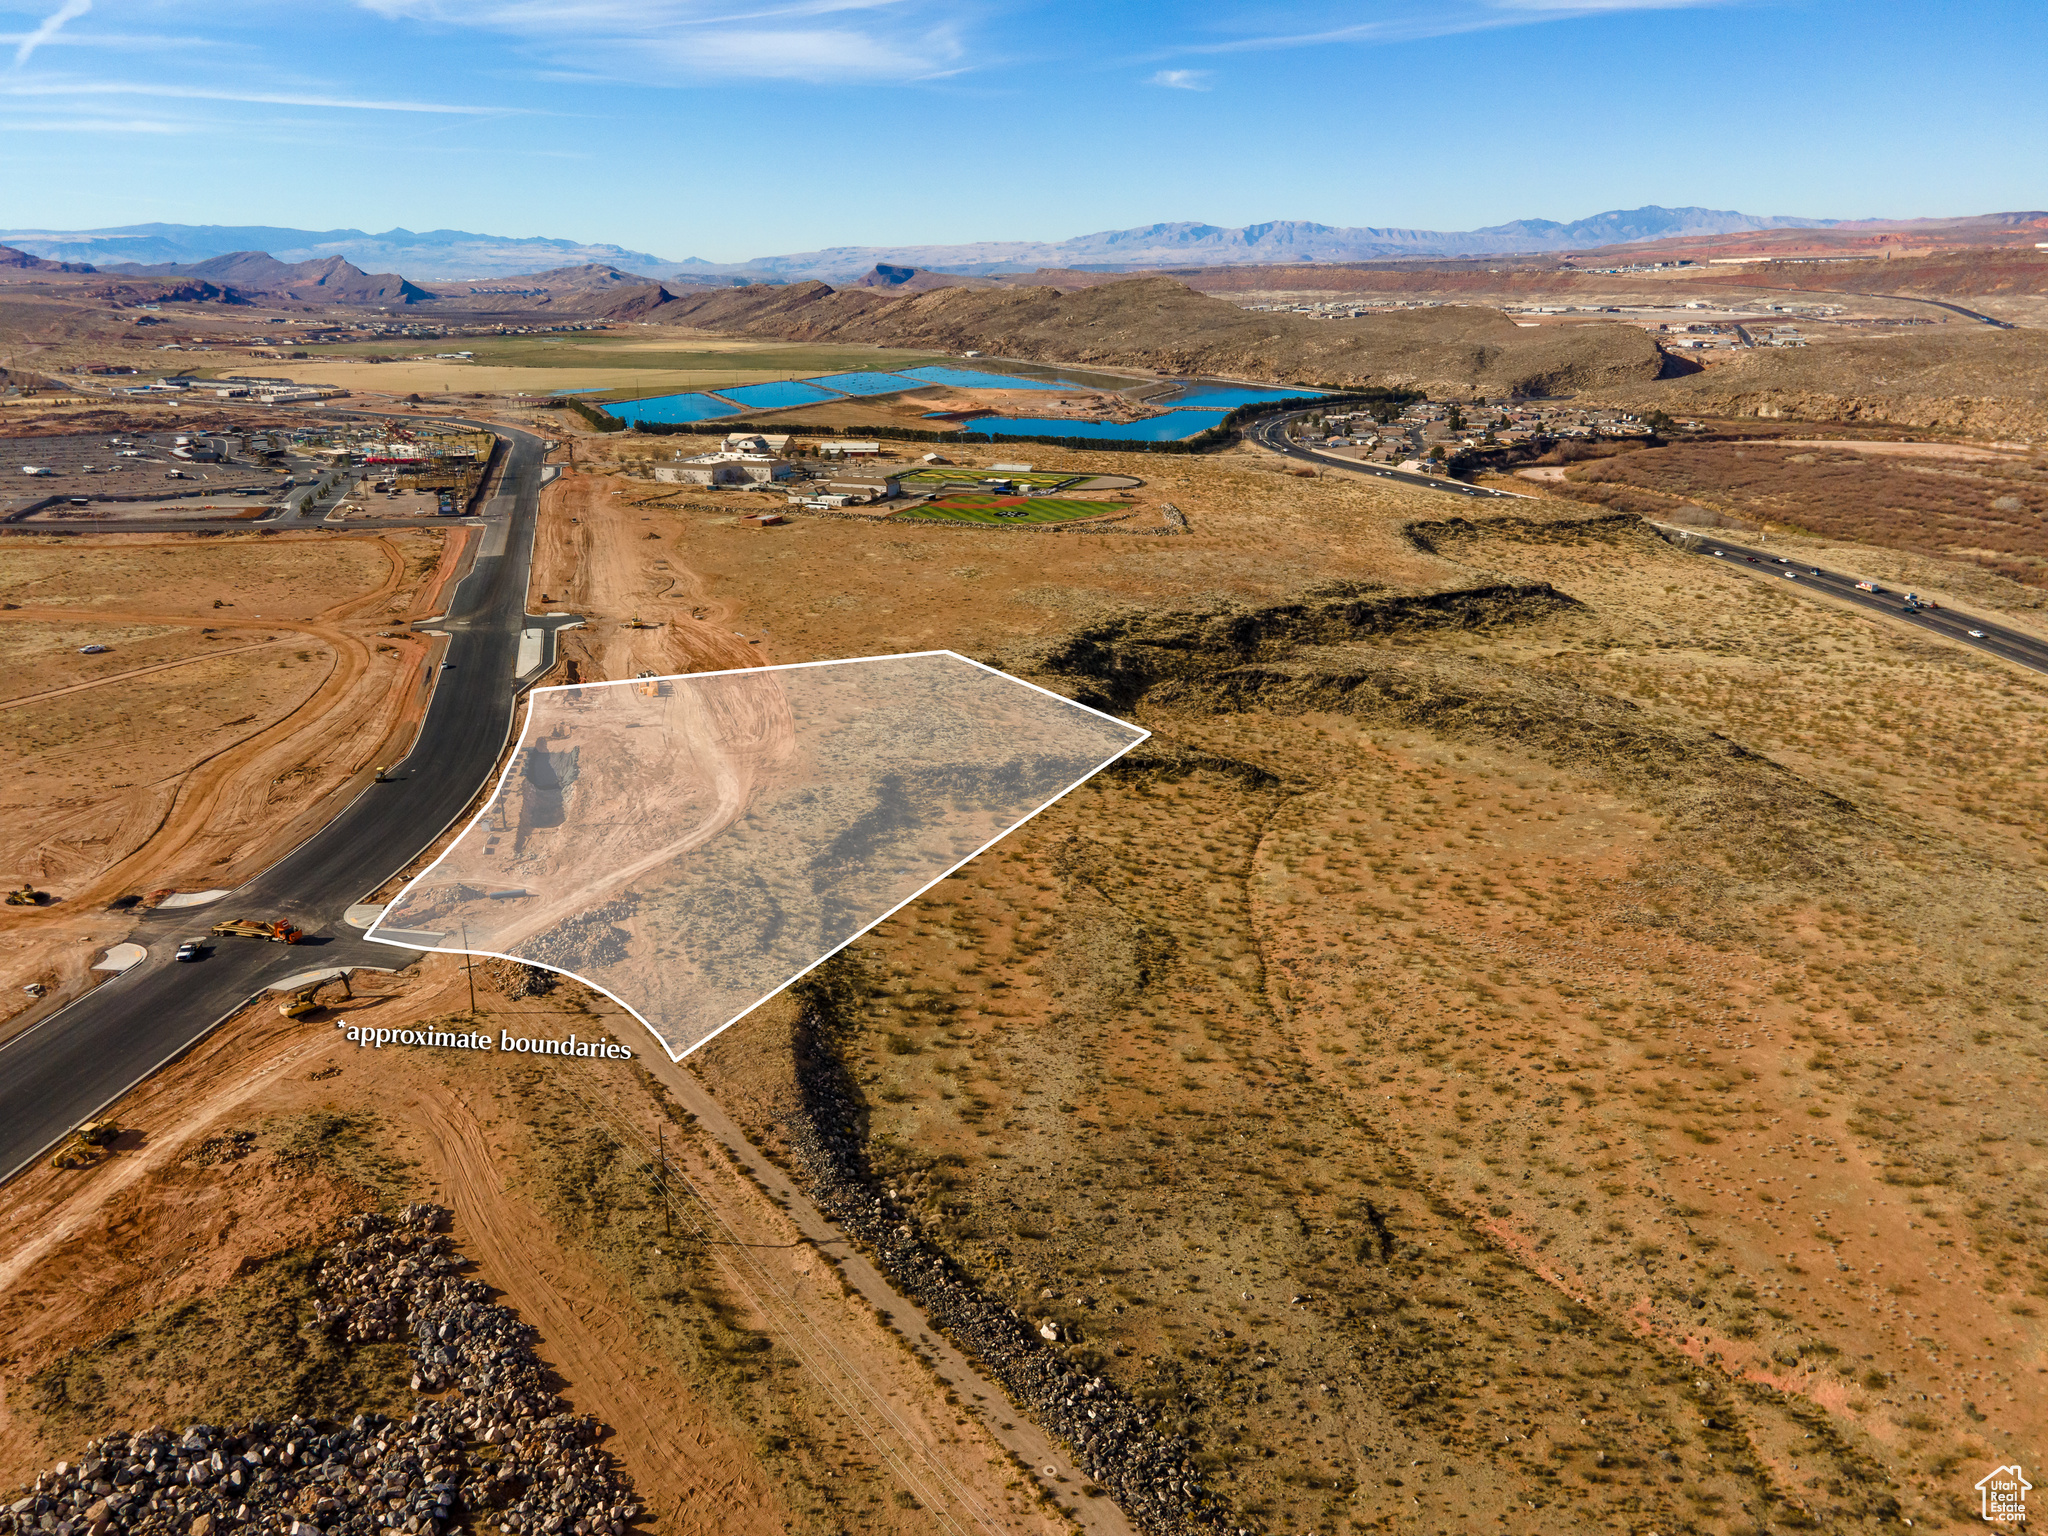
[{"x": 246, "y": 680}]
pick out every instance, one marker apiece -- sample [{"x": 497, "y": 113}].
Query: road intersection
[{"x": 70, "y": 1065}]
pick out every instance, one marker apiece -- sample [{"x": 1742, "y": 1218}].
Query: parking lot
[{"x": 128, "y": 467}]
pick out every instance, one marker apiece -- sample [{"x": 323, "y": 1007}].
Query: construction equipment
[
  {"x": 300, "y": 1003},
  {"x": 86, "y": 1145},
  {"x": 26, "y": 896},
  {"x": 278, "y": 932}
]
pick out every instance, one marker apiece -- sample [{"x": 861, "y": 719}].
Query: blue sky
[{"x": 735, "y": 128}]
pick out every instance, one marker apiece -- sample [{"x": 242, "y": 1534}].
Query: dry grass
[
  {"x": 1995, "y": 514},
  {"x": 1551, "y": 1006}
]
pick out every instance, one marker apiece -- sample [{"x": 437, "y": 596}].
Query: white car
[
  {"x": 1789, "y": 575},
  {"x": 92, "y": 650},
  {"x": 1976, "y": 634}
]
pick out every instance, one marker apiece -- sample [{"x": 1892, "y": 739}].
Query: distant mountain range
[
  {"x": 438, "y": 253},
  {"x": 254, "y": 272},
  {"x": 443, "y": 254},
  {"x": 1283, "y": 242}
]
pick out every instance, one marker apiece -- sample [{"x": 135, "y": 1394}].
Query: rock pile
[
  {"x": 517, "y": 979},
  {"x": 1151, "y": 1474},
  {"x": 498, "y": 1454}
]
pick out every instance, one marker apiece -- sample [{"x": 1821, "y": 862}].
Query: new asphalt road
[{"x": 64, "y": 1069}]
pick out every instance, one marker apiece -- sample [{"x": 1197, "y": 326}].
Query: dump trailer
[{"x": 278, "y": 932}]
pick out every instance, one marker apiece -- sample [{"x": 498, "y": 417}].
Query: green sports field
[
  {"x": 1006, "y": 509},
  {"x": 936, "y": 475}
]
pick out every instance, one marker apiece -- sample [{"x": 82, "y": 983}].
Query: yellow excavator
[{"x": 300, "y": 1003}]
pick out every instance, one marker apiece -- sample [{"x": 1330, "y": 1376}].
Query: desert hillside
[{"x": 1159, "y": 324}]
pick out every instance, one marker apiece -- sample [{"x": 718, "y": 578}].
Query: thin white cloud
[
  {"x": 1450, "y": 20},
  {"x": 686, "y": 42},
  {"x": 1181, "y": 79},
  {"x": 1597, "y": 7},
  {"x": 820, "y": 54},
  {"x": 95, "y": 125},
  {"x": 610, "y": 16},
  {"x": 116, "y": 40},
  {"x": 53, "y": 23},
  {"x": 60, "y": 88}
]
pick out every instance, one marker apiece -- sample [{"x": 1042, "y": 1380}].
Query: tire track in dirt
[
  {"x": 708, "y": 1483},
  {"x": 780, "y": 1255},
  {"x": 941, "y": 1364},
  {"x": 589, "y": 559},
  {"x": 221, "y": 793},
  {"x": 122, "y": 677}
]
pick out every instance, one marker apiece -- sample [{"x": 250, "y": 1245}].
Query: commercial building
[{"x": 724, "y": 469}]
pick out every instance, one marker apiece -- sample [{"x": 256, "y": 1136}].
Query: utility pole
[
  {"x": 661, "y": 1141},
  {"x": 469, "y": 965}
]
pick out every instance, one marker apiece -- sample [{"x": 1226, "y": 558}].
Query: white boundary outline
[{"x": 682, "y": 677}]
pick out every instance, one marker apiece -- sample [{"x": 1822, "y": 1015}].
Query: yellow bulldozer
[
  {"x": 27, "y": 896},
  {"x": 87, "y": 1145}
]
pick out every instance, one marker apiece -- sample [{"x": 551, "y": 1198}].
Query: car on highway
[
  {"x": 447, "y": 666},
  {"x": 1781, "y": 560},
  {"x": 1789, "y": 575},
  {"x": 1976, "y": 634},
  {"x": 191, "y": 949},
  {"x": 1816, "y": 570}
]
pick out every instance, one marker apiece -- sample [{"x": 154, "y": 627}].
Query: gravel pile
[
  {"x": 589, "y": 941},
  {"x": 499, "y": 1453},
  {"x": 1151, "y": 1474}
]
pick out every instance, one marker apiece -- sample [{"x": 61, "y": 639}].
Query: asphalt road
[
  {"x": 1271, "y": 432},
  {"x": 1949, "y": 623},
  {"x": 64, "y": 1069},
  {"x": 1981, "y": 634}
]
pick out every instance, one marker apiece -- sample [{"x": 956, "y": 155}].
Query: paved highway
[
  {"x": 1271, "y": 432},
  {"x": 1982, "y": 634},
  {"x": 61, "y": 1071},
  {"x": 1768, "y": 565}
]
